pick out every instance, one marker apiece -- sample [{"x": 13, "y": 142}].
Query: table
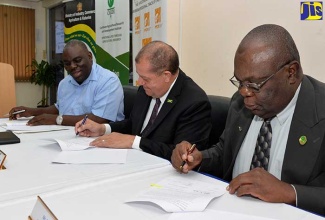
[{"x": 99, "y": 191}]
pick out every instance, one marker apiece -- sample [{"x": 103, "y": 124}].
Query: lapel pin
[
  {"x": 239, "y": 128},
  {"x": 302, "y": 140},
  {"x": 169, "y": 100}
]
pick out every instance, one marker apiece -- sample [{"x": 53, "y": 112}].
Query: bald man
[{"x": 273, "y": 145}]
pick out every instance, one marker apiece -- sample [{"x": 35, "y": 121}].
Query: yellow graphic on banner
[
  {"x": 137, "y": 23},
  {"x": 145, "y": 41},
  {"x": 78, "y": 27},
  {"x": 147, "y": 19},
  {"x": 157, "y": 15}
]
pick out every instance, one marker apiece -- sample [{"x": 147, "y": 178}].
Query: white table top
[{"x": 99, "y": 191}]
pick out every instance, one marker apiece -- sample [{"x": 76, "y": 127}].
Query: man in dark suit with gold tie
[
  {"x": 274, "y": 96},
  {"x": 169, "y": 107}
]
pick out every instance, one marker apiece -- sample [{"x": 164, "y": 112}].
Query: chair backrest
[
  {"x": 219, "y": 112},
  {"x": 7, "y": 88},
  {"x": 130, "y": 93}
]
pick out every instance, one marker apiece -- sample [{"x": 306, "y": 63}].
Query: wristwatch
[{"x": 59, "y": 119}]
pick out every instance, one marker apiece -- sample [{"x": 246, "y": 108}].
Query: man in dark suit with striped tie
[{"x": 169, "y": 107}]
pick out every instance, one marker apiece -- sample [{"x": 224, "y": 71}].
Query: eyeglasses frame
[{"x": 255, "y": 87}]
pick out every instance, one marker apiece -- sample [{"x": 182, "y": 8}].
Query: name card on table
[
  {"x": 2, "y": 160},
  {"x": 41, "y": 211}
]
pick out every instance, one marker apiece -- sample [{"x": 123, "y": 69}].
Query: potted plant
[{"x": 43, "y": 74}]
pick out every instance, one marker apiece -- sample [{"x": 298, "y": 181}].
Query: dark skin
[
  {"x": 78, "y": 63},
  {"x": 254, "y": 62}
]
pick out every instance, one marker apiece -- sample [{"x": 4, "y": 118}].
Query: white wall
[
  {"x": 206, "y": 34},
  {"x": 210, "y": 31},
  {"x": 26, "y": 93}
]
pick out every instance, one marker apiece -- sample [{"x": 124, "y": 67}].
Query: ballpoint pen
[
  {"x": 17, "y": 112},
  {"x": 83, "y": 122},
  {"x": 189, "y": 151}
]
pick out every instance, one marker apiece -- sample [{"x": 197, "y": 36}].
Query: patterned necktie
[
  {"x": 152, "y": 117},
  {"x": 263, "y": 144}
]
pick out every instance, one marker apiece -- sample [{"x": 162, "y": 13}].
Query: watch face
[{"x": 59, "y": 120}]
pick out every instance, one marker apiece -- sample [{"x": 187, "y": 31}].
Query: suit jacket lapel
[
  {"x": 144, "y": 100},
  {"x": 300, "y": 158},
  {"x": 241, "y": 121}
]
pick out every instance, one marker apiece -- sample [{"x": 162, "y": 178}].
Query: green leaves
[{"x": 43, "y": 74}]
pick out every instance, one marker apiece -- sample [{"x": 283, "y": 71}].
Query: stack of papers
[
  {"x": 19, "y": 126},
  {"x": 77, "y": 151},
  {"x": 180, "y": 194}
]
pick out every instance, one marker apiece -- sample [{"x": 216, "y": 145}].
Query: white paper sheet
[
  {"x": 179, "y": 194},
  {"x": 22, "y": 120},
  {"x": 92, "y": 155},
  {"x": 21, "y": 127},
  {"x": 76, "y": 143}
]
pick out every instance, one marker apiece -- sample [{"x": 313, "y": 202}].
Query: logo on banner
[
  {"x": 311, "y": 10},
  {"x": 158, "y": 17},
  {"x": 79, "y": 7},
  {"x": 137, "y": 24},
  {"x": 146, "y": 41},
  {"x": 111, "y": 9},
  {"x": 147, "y": 21}
]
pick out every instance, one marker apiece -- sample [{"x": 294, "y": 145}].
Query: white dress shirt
[
  {"x": 280, "y": 131},
  {"x": 137, "y": 139}
]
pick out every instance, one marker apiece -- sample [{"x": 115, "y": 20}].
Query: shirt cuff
[
  {"x": 136, "y": 143},
  {"x": 296, "y": 194},
  {"x": 108, "y": 129}
]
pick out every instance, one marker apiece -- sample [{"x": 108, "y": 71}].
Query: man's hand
[
  {"x": 263, "y": 185},
  {"x": 114, "y": 140},
  {"x": 180, "y": 154},
  {"x": 27, "y": 113},
  {"x": 89, "y": 129},
  {"x": 43, "y": 119}
]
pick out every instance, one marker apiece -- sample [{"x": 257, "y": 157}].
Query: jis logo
[{"x": 311, "y": 10}]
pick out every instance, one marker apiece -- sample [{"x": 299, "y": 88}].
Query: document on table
[
  {"x": 77, "y": 151},
  {"x": 76, "y": 143},
  {"x": 180, "y": 194},
  {"x": 19, "y": 126},
  {"x": 5, "y": 121}
]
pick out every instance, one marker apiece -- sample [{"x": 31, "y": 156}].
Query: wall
[
  {"x": 206, "y": 34},
  {"x": 26, "y": 93},
  {"x": 210, "y": 31}
]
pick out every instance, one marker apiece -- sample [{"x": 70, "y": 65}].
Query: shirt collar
[{"x": 163, "y": 98}]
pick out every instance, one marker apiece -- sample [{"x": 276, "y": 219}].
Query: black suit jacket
[
  {"x": 303, "y": 165},
  {"x": 185, "y": 115}
]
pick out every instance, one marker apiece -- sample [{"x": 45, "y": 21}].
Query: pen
[
  {"x": 189, "y": 151},
  {"x": 83, "y": 122},
  {"x": 17, "y": 112}
]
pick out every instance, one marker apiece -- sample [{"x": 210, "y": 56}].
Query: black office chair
[
  {"x": 130, "y": 93},
  {"x": 219, "y": 111}
]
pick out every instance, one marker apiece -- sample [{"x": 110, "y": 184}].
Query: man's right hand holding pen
[
  {"x": 186, "y": 157},
  {"x": 20, "y": 111}
]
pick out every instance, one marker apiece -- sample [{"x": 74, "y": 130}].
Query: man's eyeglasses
[{"x": 254, "y": 87}]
